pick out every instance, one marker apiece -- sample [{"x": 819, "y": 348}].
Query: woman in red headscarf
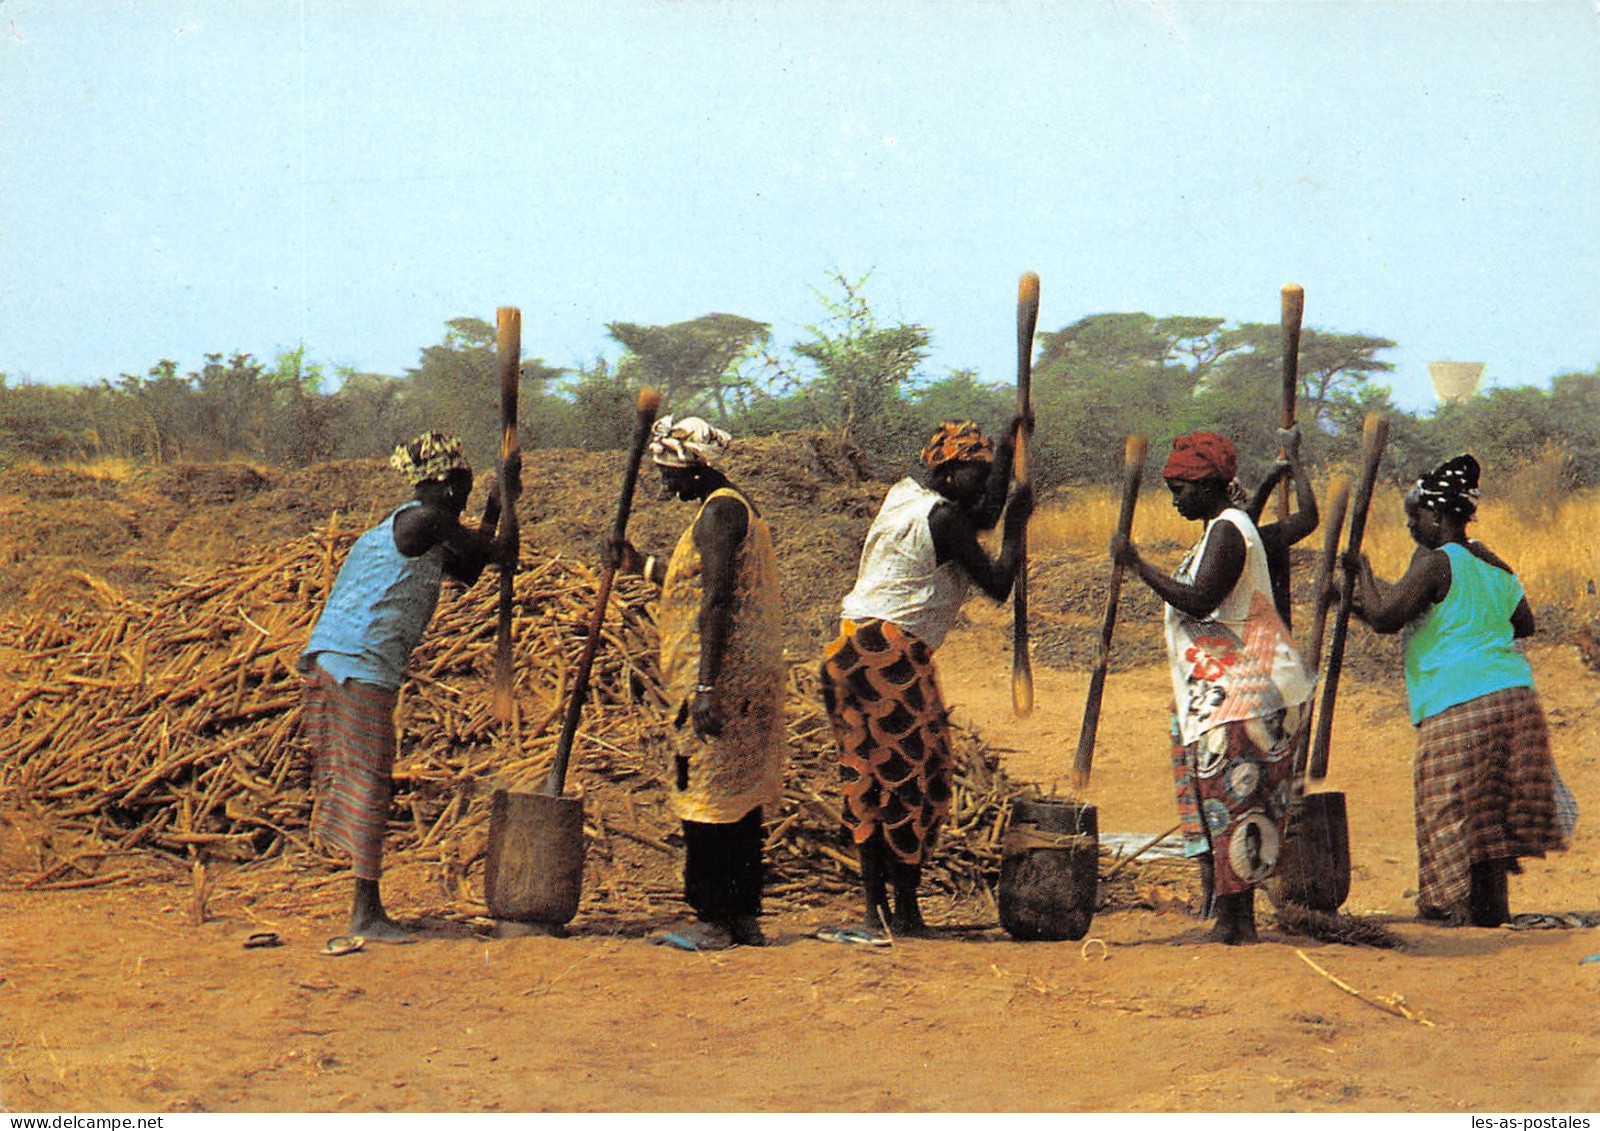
[{"x": 1240, "y": 689}]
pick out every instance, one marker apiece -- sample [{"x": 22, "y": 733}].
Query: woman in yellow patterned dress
[{"x": 721, "y": 621}]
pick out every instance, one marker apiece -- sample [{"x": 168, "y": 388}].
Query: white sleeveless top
[
  {"x": 1239, "y": 662},
  {"x": 899, "y": 579}
]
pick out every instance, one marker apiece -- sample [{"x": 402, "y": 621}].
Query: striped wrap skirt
[{"x": 349, "y": 728}]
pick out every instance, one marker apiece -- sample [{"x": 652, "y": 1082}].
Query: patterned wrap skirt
[
  {"x": 1235, "y": 786},
  {"x": 1485, "y": 790},
  {"x": 881, "y": 691},
  {"x": 349, "y": 727}
]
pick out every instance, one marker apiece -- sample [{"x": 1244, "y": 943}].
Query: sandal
[
  {"x": 1534, "y": 921},
  {"x": 695, "y": 937},
  {"x": 262, "y": 939},
  {"x": 341, "y": 945},
  {"x": 853, "y": 936}
]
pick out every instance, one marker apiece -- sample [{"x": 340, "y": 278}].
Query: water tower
[{"x": 1455, "y": 380}]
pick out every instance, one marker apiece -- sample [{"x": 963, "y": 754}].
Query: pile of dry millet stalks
[{"x": 135, "y": 737}]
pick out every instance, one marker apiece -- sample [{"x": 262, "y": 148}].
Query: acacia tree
[
  {"x": 1240, "y": 392},
  {"x": 1335, "y": 368},
  {"x": 1109, "y": 375},
  {"x": 691, "y": 364},
  {"x": 1112, "y": 374},
  {"x": 960, "y": 395},
  {"x": 43, "y": 422},
  {"x": 301, "y": 427},
  {"x": 166, "y": 410},
  {"x": 861, "y": 369},
  {"x": 370, "y": 414},
  {"x": 1575, "y": 404},
  {"x": 600, "y": 413},
  {"x": 456, "y": 388}
]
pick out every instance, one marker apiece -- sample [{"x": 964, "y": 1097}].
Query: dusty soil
[{"x": 113, "y": 998}]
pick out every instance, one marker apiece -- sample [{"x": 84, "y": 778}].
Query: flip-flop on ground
[
  {"x": 340, "y": 945},
  {"x": 853, "y": 936},
  {"x": 695, "y": 937}
]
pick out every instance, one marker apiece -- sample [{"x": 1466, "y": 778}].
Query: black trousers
[{"x": 722, "y": 867}]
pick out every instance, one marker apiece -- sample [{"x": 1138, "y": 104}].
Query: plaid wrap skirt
[{"x": 1485, "y": 790}]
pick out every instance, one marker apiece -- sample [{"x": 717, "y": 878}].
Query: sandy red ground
[{"x": 113, "y": 1000}]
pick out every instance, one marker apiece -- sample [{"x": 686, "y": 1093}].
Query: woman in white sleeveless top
[{"x": 879, "y": 682}]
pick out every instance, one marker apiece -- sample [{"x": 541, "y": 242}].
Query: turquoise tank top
[
  {"x": 380, "y": 605},
  {"x": 1463, "y": 648}
]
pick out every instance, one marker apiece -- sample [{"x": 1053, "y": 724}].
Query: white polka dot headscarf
[
  {"x": 1451, "y": 488},
  {"x": 690, "y": 442}
]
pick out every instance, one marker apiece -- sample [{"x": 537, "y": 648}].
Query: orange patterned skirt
[{"x": 882, "y": 694}]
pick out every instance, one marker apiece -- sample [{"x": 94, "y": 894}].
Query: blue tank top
[
  {"x": 1463, "y": 647},
  {"x": 380, "y": 605}
]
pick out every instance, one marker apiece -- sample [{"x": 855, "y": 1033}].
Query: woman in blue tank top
[
  {"x": 1484, "y": 780},
  {"x": 355, "y": 661}
]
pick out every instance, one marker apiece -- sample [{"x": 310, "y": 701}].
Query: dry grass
[
  {"x": 107, "y": 470},
  {"x": 1553, "y": 551},
  {"x": 1555, "y": 548},
  {"x": 1081, "y": 523}
]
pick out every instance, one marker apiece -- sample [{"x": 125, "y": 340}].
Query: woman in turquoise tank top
[{"x": 1484, "y": 780}]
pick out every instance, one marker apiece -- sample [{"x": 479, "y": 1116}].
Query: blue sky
[{"x": 189, "y": 176}]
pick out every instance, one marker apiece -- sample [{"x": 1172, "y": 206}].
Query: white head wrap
[{"x": 688, "y": 442}]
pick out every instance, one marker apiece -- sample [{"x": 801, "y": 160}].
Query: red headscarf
[{"x": 1201, "y": 455}]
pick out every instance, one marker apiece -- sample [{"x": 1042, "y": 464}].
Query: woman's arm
[
  {"x": 466, "y": 551},
  {"x": 1388, "y": 609},
  {"x": 1304, "y": 519},
  {"x": 1220, "y": 568},
  {"x": 955, "y": 538},
  {"x": 1522, "y": 623},
  {"x": 999, "y": 478},
  {"x": 1265, "y": 490},
  {"x": 718, "y": 532}
]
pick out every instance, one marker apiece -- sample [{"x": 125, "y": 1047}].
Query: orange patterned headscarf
[
  {"x": 1201, "y": 455},
  {"x": 957, "y": 439}
]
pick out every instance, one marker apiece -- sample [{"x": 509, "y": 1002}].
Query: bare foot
[
  {"x": 1236, "y": 920},
  {"x": 909, "y": 928},
  {"x": 1458, "y": 915},
  {"x": 381, "y": 928},
  {"x": 745, "y": 930},
  {"x": 1233, "y": 934}
]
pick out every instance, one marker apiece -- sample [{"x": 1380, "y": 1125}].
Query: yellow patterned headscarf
[
  {"x": 432, "y": 455},
  {"x": 957, "y": 439}
]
